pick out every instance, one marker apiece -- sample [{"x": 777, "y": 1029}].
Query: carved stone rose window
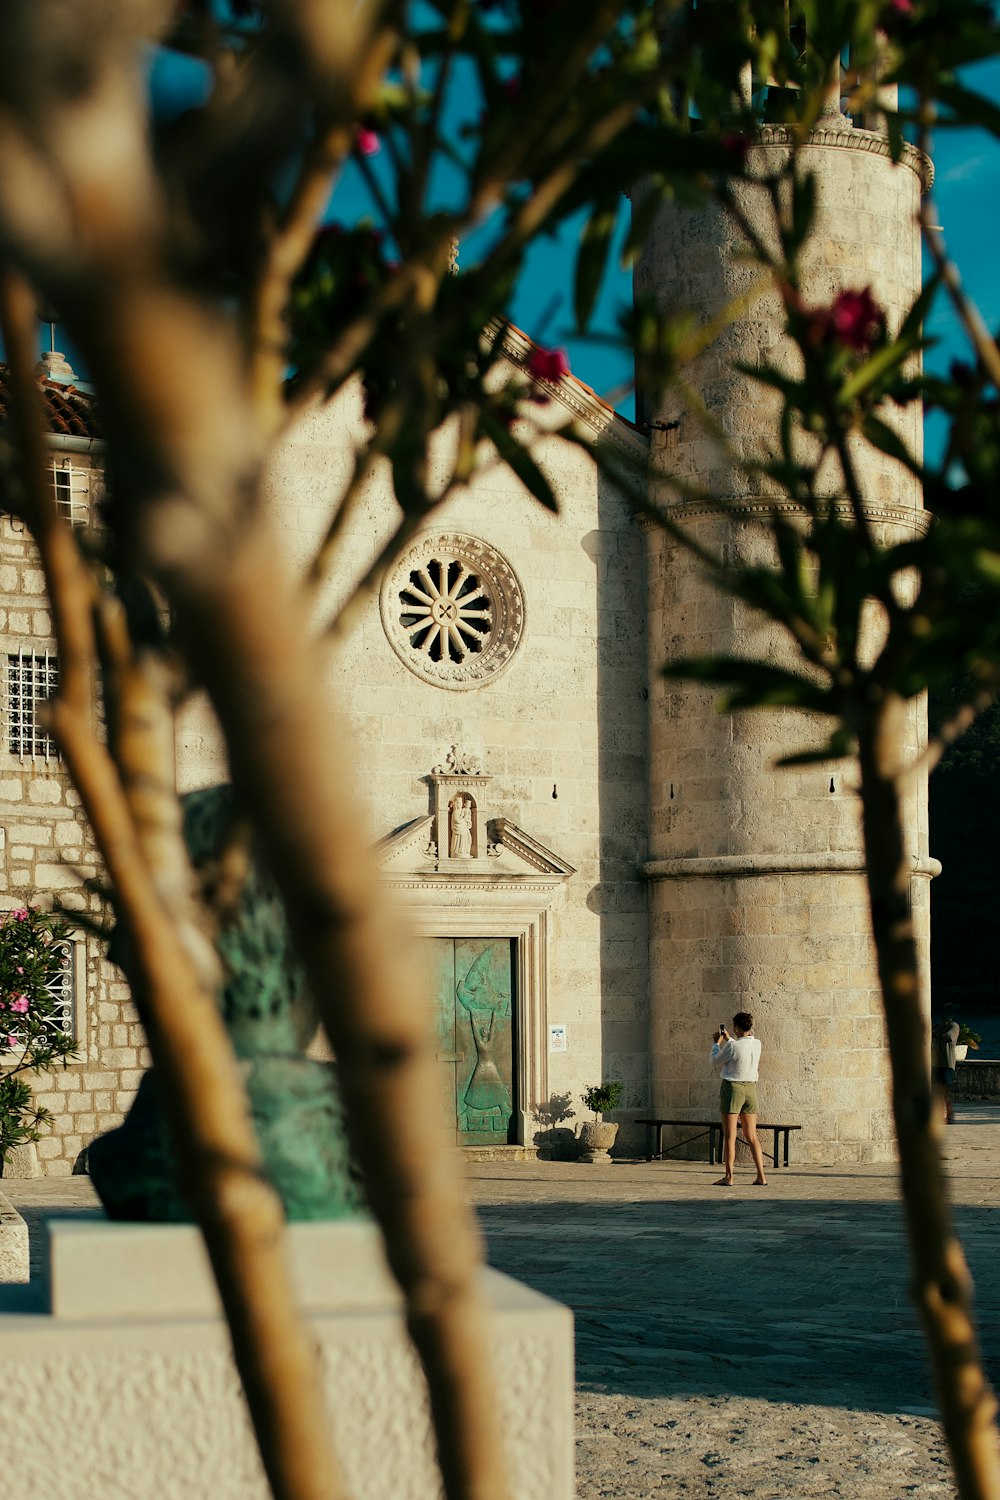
[{"x": 452, "y": 610}]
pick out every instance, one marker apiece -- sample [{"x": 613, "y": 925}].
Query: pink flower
[
  {"x": 20, "y": 1004},
  {"x": 856, "y": 319},
  {"x": 20, "y": 914},
  {"x": 901, "y": 7},
  {"x": 12, "y": 1041},
  {"x": 367, "y": 141},
  {"x": 548, "y": 364},
  {"x": 19, "y": 969}
]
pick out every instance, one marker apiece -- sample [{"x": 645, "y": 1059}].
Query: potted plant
[
  {"x": 967, "y": 1038},
  {"x": 597, "y": 1136}
]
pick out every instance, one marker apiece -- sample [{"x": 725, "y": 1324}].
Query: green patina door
[{"x": 473, "y": 980}]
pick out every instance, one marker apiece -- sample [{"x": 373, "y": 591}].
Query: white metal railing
[
  {"x": 62, "y": 988},
  {"x": 76, "y": 491},
  {"x": 32, "y": 676}
]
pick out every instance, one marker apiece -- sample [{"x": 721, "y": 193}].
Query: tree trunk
[
  {"x": 942, "y": 1286},
  {"x": 248, "y": 629}
]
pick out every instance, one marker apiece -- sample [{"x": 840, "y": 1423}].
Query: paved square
[{"x": 758, "y": 1343}]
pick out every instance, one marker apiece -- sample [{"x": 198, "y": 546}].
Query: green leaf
[
  {"x": 888, "y": 358},
  {"x": 792, "y": 390},
  {"x": 969, "y": 108},
  {"x": 792, "y": 558},
  {"x": 883, "y": 437},
  {"x": 754, "y": 684},
  {"x": 897, "y": 140},
  {"x": 912, "y": 324},
  {"x": 803, "y": 213},
  {"x": 592, "y": 259},
  {"x": 840, "y": 744},
  {"x": 519, "y": 459}
]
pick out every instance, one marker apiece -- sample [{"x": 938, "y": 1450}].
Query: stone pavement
[{"x": 755, "y": 1343}]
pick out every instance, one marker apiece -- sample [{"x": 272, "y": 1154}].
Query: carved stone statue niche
[
  {"x": 463, "y": 826},
  {"x": 458, "y": 836},
  {"x": 270, "y": 1015}
]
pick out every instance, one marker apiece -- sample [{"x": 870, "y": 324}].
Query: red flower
[
  {"x": 367, "y": 141},
  {"x": 856, "y": 320},
  {"x": 896, "y": 18},
  {"x": 736, "y": 145},
  {"x": 548, "y": 364}
]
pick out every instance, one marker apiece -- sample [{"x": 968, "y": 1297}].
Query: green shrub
[
  {"x": 600, "y": 1097},
  {"x": 31, "y": 1040}
]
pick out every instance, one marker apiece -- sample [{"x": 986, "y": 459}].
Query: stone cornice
[
  {"x": 843, "y": 136},
  {"x": 918, "y": 521},
  {"x": 535, "y": 854},
  {"x": 578, "y": 399},
  {"x": 741, "y": 866},
  {"x": 448, "y": 881}
]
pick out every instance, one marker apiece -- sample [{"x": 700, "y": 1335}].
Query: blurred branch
[{"x": 218, "y": 1160}]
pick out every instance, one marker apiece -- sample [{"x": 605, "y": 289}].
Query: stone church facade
[{"x": 601, "y": 866}]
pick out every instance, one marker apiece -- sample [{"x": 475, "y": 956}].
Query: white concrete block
[
  {"x": 13, "y": 1244},
  {"x": 152, "y": 1401}
]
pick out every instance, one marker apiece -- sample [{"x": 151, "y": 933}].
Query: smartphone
[{"x": 722, "y": 1026}]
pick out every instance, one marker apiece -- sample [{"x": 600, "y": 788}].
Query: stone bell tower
[{"x": 757, "y": 896}]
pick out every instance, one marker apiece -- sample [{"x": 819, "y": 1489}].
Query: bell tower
[{"x": 756, "y": 885}]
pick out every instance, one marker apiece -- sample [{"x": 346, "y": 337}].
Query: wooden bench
[{"x": 713, "y": 1129}]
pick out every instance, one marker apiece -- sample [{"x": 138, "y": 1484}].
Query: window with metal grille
[
  {"x": 32, "y": 676},
  {"x": 62, "y": 988},
  {"x": 71, "y": 487}
]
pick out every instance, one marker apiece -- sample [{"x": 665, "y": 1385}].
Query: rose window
[{"x": 452, "y": 610}]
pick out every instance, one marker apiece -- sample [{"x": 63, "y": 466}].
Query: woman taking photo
[{"x": 739, "y": 1058}]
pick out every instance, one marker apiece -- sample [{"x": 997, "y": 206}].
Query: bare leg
[
  {"x": 749, "y": 1123},
  {"x": 729, "y": 1123}
]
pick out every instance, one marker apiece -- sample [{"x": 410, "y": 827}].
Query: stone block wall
[
  {"x": 793, "y": 948},
  {"x": 758, "y": 898},
  {"x": 46, "y": 855},
  {"x": 561, "y": 730}
]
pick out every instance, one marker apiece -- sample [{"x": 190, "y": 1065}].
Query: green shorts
[{"x": 737, "y": 1098}]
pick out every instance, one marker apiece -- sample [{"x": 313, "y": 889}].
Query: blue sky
[
  {"x": 967, "y": 195},
  {"x": 967, "y": 199}
]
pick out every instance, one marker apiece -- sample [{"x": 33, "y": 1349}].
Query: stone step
[{"x": 500, "y": 1153}]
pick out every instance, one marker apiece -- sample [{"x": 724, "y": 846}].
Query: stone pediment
[
  {"x": 511, "y": 855},
  {"x": 458, "y": 842}
]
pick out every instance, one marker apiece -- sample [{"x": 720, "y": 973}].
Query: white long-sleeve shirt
[{"x": 739, "y": 1058}]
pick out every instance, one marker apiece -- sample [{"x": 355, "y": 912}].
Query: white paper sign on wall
[{"x": 558, "y": 1039}]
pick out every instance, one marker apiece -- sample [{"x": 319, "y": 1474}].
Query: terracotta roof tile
[{"x": 71, "y": 412}]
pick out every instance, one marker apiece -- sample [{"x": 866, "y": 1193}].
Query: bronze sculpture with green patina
[{"x": 271, "y": 1018}]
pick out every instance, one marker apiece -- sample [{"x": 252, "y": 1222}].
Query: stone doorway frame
[
  {"x": 527, "y": 929},
  {"x": 505, "y": 891},
  {"x": 528, "y": 941},
  {"x": 434, "y": 910}
]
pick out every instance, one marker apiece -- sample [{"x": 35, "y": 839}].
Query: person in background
[
  {"x": 943, "y": 1069},
  {"x": 738, "y": 1056}
]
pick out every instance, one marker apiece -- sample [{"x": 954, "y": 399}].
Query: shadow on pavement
[{"x": 801, "y": 1301}]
